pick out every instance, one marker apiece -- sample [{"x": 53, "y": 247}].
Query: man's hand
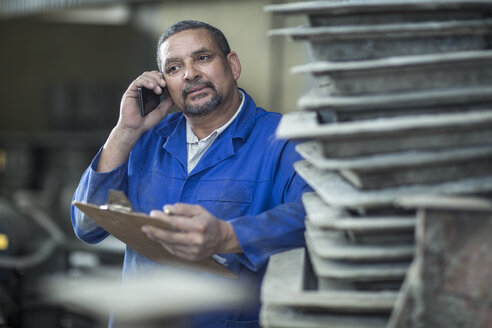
[
  {"x": 130, "y": 117},
  {"x": 200, "y": 233},
  {"x": 131, "y": 124}
]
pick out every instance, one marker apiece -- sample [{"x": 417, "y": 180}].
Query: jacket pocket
[{"x": 226, "y": 199}]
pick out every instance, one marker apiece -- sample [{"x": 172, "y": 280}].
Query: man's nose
[{"x": 191, "y": 73}]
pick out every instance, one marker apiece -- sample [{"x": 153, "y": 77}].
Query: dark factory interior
[{"x": 60, "y": 94}]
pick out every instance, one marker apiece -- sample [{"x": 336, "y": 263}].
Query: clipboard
[{"x": 118, "y": 218}]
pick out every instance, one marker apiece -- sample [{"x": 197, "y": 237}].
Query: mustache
[{"x": 186, "y": 90}]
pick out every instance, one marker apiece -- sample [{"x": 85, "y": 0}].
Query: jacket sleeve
[
  {"x": 281, "y": 227},
  {"x": 94, "y": 188}
]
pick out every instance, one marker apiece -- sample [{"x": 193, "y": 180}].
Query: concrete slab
[
  {"x": 287, "y": 317},
  {"x": 337, "y": 192},
  {"x": 337, "y": 13},
  {"x": 332, "y": 108},
  {"x": 332, "y": 245},
  {"x": 324, "y": 216},
  {"x": 419, "y": 132},
  {"x": 401, "y": 74},
  {"x": 356, "y": 271},
  {"x": 404, "y": 168},
  {"x": 283, "y": 286},
  {"x": 361, "y": 42}
]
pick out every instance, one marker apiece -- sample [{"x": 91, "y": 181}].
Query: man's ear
[{"x": 234, "y": 64}]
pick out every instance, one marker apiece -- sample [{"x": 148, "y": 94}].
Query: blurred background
[{"x": 64, "y": 66}]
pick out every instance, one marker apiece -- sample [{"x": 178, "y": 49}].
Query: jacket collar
[
  {"x": 173, "y": 130},
  {"x": 244, "y": 123}
]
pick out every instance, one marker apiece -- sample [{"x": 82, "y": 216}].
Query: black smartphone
[{"x": 148, "y": 100}]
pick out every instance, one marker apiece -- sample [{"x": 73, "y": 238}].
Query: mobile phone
[{"x": 148, "y": 100}]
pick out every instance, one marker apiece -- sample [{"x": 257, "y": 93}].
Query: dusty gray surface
[
  {"x": 356, "y": 272},
  {"x": 359, "y": 42},
  {"x": 350, "y": 108},
  {"x": 333, "y": 245},
  {"x": 403, "y": 168},
  {"x": 337, "y": 192},
  {"x": 313, "y": 152},
  {"x": 283, "y": 286},
  {"x": 458, "y": 70},
  {"x": 305, "y": 125},
  {"x": 285, "y": 317},
  {"x": 450, "y": 286},
  {"x": 324, "y": 216}
]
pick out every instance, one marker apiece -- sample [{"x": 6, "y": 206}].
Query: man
[{"x": 216, "y": 165}]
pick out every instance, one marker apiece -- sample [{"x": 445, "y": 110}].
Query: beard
[{"x": 202, "y": 109}]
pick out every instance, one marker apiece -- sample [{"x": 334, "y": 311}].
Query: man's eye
[
  {"x": 203, "y": 58},
  {"x": 172, "y": 69}
]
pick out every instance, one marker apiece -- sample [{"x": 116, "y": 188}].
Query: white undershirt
[{"x": 196, "y": 147}]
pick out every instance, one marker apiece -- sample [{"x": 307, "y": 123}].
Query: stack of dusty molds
[{"x": 403, "y": 107}]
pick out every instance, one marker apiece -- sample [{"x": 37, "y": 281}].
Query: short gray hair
[{"x": 184, "y": 25}]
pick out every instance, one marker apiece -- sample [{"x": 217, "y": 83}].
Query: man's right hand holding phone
[{"x": 131, "y": 124}]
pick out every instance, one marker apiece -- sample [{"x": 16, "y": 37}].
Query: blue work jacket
[{"x": 246, "y": 177}]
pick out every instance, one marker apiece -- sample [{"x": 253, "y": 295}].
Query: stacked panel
[{"x": 402, "y": 106}]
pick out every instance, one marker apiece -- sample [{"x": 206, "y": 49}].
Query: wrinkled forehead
[{"x": 185, "y": 43}]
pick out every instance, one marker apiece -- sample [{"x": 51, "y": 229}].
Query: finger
[
  {"x": 187, "y": 253},
  {"x": 168, "y": 209},
  {"x": 183, "y": 245},
  {"x": 172, "y": 238},
  {"x": 161, "y": 216},
  {"x": 185, "y": 217},
  {"x": 150, "y": 84},
  {"x": 184, "y": 209},
  {"x": 157, "y": 76},
  {"x": 157, "y": 235},
  {"x": 190, "y": 253},
  {"x": 151, "y": 80},
  {"x": 189, "y": 224}
]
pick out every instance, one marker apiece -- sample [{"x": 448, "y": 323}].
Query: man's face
[{"x": 199, "y": 77}]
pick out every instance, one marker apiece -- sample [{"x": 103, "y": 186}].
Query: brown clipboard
[{"x": 126, "y": 225}]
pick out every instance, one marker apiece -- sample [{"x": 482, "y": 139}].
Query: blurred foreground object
[{"x": 158, "y": 299}]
